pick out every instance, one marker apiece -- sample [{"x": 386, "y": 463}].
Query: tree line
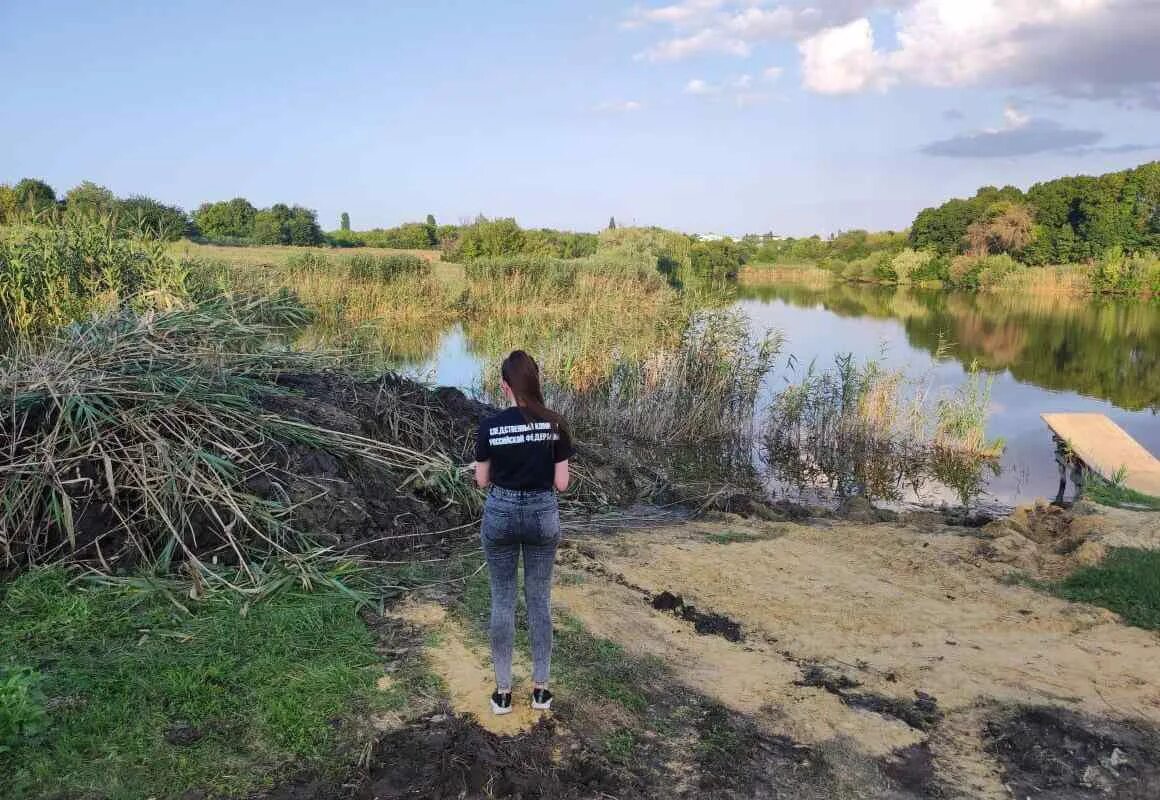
[
  {"x": 234, "y": 221},
  {"x": 1071, "y": 219}
]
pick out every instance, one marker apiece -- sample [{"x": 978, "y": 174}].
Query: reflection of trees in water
[{"x": 1108, "y": 349}]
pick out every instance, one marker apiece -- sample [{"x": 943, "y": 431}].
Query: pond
[{"x": 1043, "y": 353}]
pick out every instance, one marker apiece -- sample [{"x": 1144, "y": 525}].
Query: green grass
[
  {"x": 1112, "y": 494},
  {"x": 619, "y": 745},
  {"x": 273, "y": 687},
  {"x": 1127, "y": 582},
  {"x": 732, "y": 537}
]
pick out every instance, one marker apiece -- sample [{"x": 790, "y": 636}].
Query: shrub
[
  {"x": 367, "y": 267},
  {"x": 1119, "y": 274},
  {"x": 911, "y": 265},
  {"x": 22, "y": 713},
  {"x": 487, "y": 239},
  {"x": 963, "y": 271},
  {"x": 993, "y": 269}
]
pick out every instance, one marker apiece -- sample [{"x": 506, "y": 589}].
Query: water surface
[{"x": 1044, "y": 354}]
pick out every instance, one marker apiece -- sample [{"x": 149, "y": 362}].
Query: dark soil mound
[
  {"x": 452, "y": 757},
  {"x": 1055, "y": 753},
  {"x": 353, "y": 503}
]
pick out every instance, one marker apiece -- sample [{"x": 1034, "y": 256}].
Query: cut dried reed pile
[{"x": 141, "y": 437}]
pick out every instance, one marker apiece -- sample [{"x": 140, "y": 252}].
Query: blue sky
[{"x": 702, "y": 115}]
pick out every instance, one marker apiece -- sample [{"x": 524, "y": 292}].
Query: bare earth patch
[
  {"x": 466, "y": 671},
  {"x": 852, "y": 631}
]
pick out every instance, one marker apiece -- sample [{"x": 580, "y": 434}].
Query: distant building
[{"x": 710, "y": 237}]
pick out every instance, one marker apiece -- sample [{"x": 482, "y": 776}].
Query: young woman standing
[{"x": 522, "y": 454}]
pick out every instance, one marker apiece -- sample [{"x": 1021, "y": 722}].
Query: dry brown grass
[{"x": 805, "y": 274}]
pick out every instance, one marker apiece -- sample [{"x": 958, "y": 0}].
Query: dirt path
[
  {"x": 465, "y": 669},
  {"x": 883, "y": 636}
]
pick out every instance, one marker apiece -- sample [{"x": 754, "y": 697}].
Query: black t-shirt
[{"x": 523, "y": 454}]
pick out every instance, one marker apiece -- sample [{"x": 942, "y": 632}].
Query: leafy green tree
[
  {"x": 344, "y": 224},
  {"x": 719, "y": 260},
  {"x": 138, "y": 215},
  {"x": 33, "y": 194},
  {"x": 488, "y": 238},
  {"x": 432, "y": 231},
  {"x": 272, "y": 225},
  {"x": 303, "y": 227},
  {"x": 90, "y": 200},
  {"x": 228, "y": 219}
]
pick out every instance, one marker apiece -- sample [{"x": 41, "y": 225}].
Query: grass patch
[
  {"x": 732, "y": 537},
  {"x": 1116, "y": 495},
  {"x": 248, "y": 688},
  {"x": 1126, "y": 582},
  {"x": 619, "y": 745}
]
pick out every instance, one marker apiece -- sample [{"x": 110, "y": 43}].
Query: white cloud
[
  {"x": 772, "y": 74},
  {"x": 742, "y": 82},
  {"x": 705, "y": 41},
  {"x": 1095, "y": 49},
  {"x": 690, "y": 12},
  {"x": 841, "y": 60},
  {"x": 698, "y": 86},
  {"x": 1014, "y": 118},
  {"x": 622, "y": 106}
]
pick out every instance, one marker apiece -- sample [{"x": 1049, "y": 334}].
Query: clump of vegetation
[
  {"x": 910, "y": 266},
  {"x": 53, "y": 275},
  {"x": 237, "y": 221},
  {"x": 702, "y": 390},
  {"x": 216, "y": 693},
  {"x": 142, "y": 437},
  {"x": 1114, "y": 493},
  {"x": 1127, "y": 582},
  {"x": 22, "y": 712},
  {"x": 863, "y": 430},
  {"x": 1118, "y": 273},
  {"x": 387, "y": 268}
]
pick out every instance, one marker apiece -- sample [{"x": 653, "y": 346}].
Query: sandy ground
[
  {"x": 901, "y": 609},
  {"x": 465, "y": 669}
]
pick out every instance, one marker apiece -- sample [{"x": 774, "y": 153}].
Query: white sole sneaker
[
  {"x": 499, "y": 710},
  {"x": 544, "y": 706}
]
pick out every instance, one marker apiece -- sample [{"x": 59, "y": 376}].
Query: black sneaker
[
  {"x": 501, "y": 703},
  {"x": 541, "y": 699}
]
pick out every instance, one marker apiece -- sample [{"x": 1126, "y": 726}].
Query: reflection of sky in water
[
  {"x": 1029, "y": 462},
  {"x": 813, "y": 333},
  {"x": 452, "y": 365}
]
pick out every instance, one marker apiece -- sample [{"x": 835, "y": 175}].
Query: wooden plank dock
[{"x": 1105, "y": 448}]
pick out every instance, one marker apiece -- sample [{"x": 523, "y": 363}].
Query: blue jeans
[{"x": 515, "y": 521}]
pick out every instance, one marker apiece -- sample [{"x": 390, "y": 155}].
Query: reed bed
[
  {"x": 701, "y": 391},
  {"x": 863, "y": 430},
  {"x": 53, "y": 275},
  {"x": 805, "y": 274}
]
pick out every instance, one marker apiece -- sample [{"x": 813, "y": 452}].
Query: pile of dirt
[
  {"x": 451, "y": 756},
  {"x": 382, "y": 512},
  {"x": 1050, "y": 541},
  {"x": 1053, "y": 752}
]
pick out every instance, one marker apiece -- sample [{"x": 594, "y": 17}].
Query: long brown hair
[{"x": 522, "y": 374}]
